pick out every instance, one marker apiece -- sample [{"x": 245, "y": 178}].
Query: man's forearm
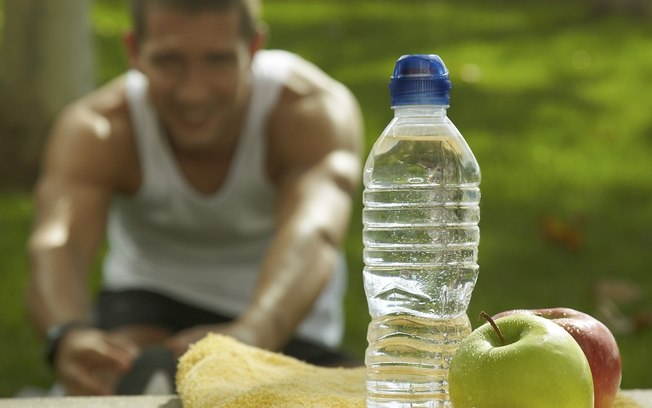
[
  {"x": 57, "y": 291},
  {"x": 314, "y": 208},
  {"x": 291, "y": 281}
]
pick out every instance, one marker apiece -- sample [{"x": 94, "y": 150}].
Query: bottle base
[
  {"x": 408, "y": 360},
  {"x": 420, "y": 403}
]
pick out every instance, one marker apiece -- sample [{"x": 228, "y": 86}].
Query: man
[{"x": 223, "y": 175}]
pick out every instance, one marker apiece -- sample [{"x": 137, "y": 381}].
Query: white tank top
[{"x": 206, "y": 250}]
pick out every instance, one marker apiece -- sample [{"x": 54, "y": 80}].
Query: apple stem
[{"x": 495, "y": 327}]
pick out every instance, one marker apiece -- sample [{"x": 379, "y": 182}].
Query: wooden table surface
[{"x": 643, "y": 397}]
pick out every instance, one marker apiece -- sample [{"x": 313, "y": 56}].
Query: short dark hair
[{"x": 249, "y": 12}]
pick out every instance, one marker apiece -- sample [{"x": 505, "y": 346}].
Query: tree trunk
[{"x": 48, "y": 62}]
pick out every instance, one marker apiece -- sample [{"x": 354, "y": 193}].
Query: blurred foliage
[{"x": 553, "y": 98}]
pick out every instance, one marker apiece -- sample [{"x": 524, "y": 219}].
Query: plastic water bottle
[{"x": 421, "y": 235}]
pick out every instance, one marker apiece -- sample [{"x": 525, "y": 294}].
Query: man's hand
[{"x": 90, "y": 361}]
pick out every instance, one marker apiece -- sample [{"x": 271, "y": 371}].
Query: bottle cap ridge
[{"x": 420, "y": 79}]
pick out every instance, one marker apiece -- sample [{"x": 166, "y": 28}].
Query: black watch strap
[{"x": 53, "y": 338}]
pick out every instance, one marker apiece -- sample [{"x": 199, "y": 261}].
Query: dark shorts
[{"x": 137, "y": 307}]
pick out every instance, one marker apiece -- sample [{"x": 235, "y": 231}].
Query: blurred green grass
[{"x": 554, "y": 102}]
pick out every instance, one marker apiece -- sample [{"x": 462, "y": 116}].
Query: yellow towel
[{"x": 220, "y": 372}]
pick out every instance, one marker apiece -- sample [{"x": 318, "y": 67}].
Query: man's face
[{"x": 198, "y": 67}]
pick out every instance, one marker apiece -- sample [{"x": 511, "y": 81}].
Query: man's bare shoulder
[
  {"x": 315, "y": 115},
  {"x": 306, "y": 81},
  {"x": 92, "y": 140},
  {"x": 107, "y": 104}
]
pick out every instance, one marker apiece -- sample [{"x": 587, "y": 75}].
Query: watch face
[{"x": 54, "y": 332}]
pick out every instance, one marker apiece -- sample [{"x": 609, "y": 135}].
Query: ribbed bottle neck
[{"x": 420, "y": 110}]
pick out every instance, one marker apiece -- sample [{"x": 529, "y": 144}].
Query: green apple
[{"x": 520, "y": 361}]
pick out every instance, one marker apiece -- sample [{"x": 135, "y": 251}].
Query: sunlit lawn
[{"x": 553, "y": 101}]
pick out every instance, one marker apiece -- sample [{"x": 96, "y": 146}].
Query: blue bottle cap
[{"x": 420, "y": 79}]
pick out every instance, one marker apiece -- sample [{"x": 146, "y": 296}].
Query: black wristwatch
[{"x": 53, "y": 337}]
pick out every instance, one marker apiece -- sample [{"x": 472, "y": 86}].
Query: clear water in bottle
[{"x": 421, "y": 236}]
